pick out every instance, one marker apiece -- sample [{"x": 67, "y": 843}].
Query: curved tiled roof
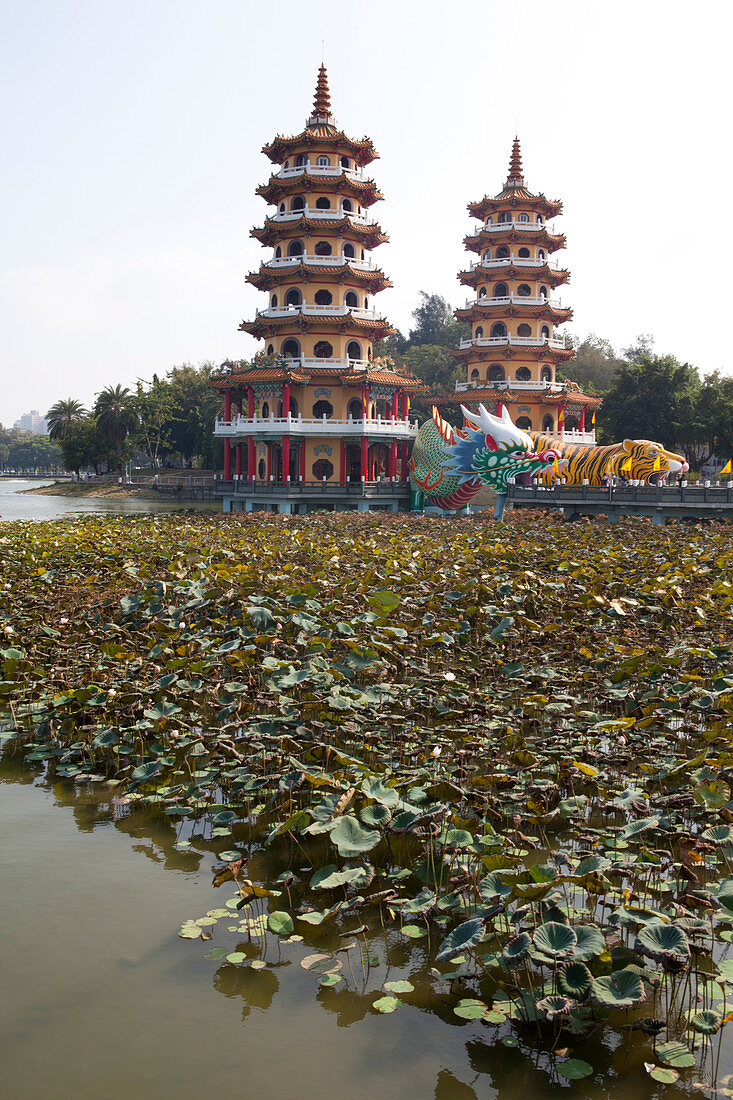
[
  {"x": 268, "y": 277},
  {"x": 274, "y": 231},
  {"x": 364, "y": 191}
]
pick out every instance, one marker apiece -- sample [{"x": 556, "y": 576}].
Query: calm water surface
[
  {"x": 101, "y": 997},
  {"x": 14, "y": 504}
]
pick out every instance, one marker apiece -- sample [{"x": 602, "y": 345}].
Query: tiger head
[{"x": 645, "y": 460}]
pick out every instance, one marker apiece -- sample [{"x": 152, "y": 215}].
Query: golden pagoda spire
[
  {"x": 515, "y": 163},
  {"x": 322, "y": 98}
]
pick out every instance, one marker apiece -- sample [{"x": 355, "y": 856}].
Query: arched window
[
  {"x": 543, "y": 292},
  {"x": 323, "y": 203},
  {"x": 323, "y": 162},
  {"x": 354, "y": 409},
  {"x": 572, "y": 424},
  {"x": 286, "y": 164},
  {"x": 278, "y": 252},
  {"x": 540, "y": 253},
  {"x": 502, "y": 253},
  {"x": 265, "y": 410},
  {"x": 293, "y": 297},
  {"x": 489, "y": 221},
  {"x": 273, "y": 301},
  {"x": 353, "y": 350},
  {"x": 474, "y": 375},
  {"x": 523, "y": 218},
  {"x": 270, "y": 349},
  {"x": 362, "y": 254},
  {"x": 495, "y": 373},
  {"x": 323, "y": 248},
  {"x": 540, "y": 219},
  {"x": 345, "y": 162},
  {"x": 545, "y": 331},
  {"x": 301, "y": 160},
  {"x": 351, "y": 300},
  {"x": 524, "y": 374},
  {"x": 524, "y": 331},
  {"x": 298, "y": 203},
  {"x": 546, "y": 373},
  {"x": 295, "y": 248},
  {"x": 524, "y": 290},
  {"x": 524, "y": 423},
  {"x": 322, "y": 468},
  {"x": 504, "y": 217},
  {"x": 347, "y": 206},
  {"x": 261, "y": 470},
  {"x": 323, "y": 408},
  {"x": 293, "y": 408},
  {"x": 366, "y": 302},
  {"x": 548, "y": 424},
  {"x": 499, "y": 329},
  {"x": 523, "y": 253},
  {"x": 479, "y": 332},
  {"x": 482, "y": 292},
  {"x": 348, "y": 251},
  {"x": 290, "y": 349},
  {"x": 501, "y": 290},
  {"x": 281, "y": 208},
  {"x": 323, "y": 298},
  {"x": 323, "y": 350}
]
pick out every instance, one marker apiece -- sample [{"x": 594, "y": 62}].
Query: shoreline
[{"x": 91, "y": 489}]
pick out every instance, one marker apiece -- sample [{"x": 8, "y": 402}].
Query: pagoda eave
[
  {"x": 523, "y": 352},
  {"x": 482, "y": 311},
  {"x": 274, "y": 232},
  {"x": 477, "y": 275},
  {"x": 477, "y": 242},
  {"x": 363, "y": 191},
  {"x": 487, "y": 206},
  {"x": 378, "y": 328},
  {"x": 322, "y": 136},
  {"x": 266, "y": 278}
]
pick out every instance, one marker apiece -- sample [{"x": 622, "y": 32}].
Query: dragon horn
[{"x": 470, "y": 418}]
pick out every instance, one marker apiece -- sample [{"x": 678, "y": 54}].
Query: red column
[
  {"x": 269, "y": 461},
  {"x": 227, "y": 459},
  {"x": 238, "y": 455},
  {"x": 405, "y": 467},
  {"x": 582, "y": 420},
  {"x": 393, "y": 459},
  {"x": 250, "y": 401},
  {"x": 286, "y": 458},
  {"x": 302, "y": 460},
  {"x": 364, "y": 458},
  {"x": 343, "y": 462},
  {"x": 395, "y": 411},
  {"x": 286, "y": 398}
]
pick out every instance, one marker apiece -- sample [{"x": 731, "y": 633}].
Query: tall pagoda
[
  {"x": 513, "y": 352},
  {"x": 315, "y": 420}
]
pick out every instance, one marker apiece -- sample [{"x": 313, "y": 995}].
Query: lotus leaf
[
  {"x": 707, "y": 1022},
  {"x": 555, "y": 940},
  {"x": 622, "y": 989},
  {"x": 574, "y": 980},
  {"x": 352, "y": 838},
  {"x": 590, "y": 942},
  {"x": 663, "y": 942},
  {"x": 517, "y": 948},
  {"x": 555, "y": 1005},
  {"x": 573, "y": 1069},
  {"x": 466, "y": 935}
]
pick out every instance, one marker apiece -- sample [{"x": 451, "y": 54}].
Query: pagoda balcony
[
  {"x": 514, "y": 300},
  {"x": 311, "y": 363},
  {"x": 315, "y": 213},
  {"x": 515, "y": 341},
  {"x": 320, "y": 261},
  {"x": 383, "y": 428},
  {"x": 282, "y": 312},
  {"x": 505, "y": 261},
  {"x": 320, "y": 170},
  {"x": 510, "y": 384},
  {"x": 502, "y": 227}
]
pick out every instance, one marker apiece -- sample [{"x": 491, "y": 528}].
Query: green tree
[
  {"x": 157, "y": 415},
  {"x": 435, "y": 323},
  {"x": 196, "y": 405},
  {"x": 63, "y": 416},
  {"x": 594, "y": 365},
  {"x": 651, "y": 397},
  {"x": 34, "y": 452},
  {"x": 84, "y": 447},
  {"x": 116, "y": 418}
]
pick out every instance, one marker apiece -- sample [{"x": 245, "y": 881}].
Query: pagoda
[
  {"x": 315, "y": 420},
  {"x": 513, "y": 352}
]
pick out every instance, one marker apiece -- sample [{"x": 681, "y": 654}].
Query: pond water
[
  {"x": 101, "y": 997},
  {"x": 16, "y": 504}
]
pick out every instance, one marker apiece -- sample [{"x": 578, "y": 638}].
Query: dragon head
[{"x": 493, "y": 449}]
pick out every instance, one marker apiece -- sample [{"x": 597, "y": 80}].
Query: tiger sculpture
[{"x": 634, "y": 459}]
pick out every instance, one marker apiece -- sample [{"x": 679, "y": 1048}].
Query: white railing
[
  {"x": 303, "y": 425},
  {"x": 315, "y": 213},
  {"x": 503, "y": 261},
  {"x": 320, "y": 170},
  {"x": 511, "y": 384},
  {"x": 328, "y": 364},
  {"x": 513, "y": 300},
  {"x": 576, "y": 436},
  {"x": 499, "y": 227},
  {"x": 322, "y": 261},
  {"x": 319, "y": 311},
  {"x": 519, "y": 341}
]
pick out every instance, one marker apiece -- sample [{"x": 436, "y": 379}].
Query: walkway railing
[{"x": 301, "y": 425}]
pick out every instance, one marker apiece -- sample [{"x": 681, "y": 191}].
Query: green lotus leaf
[
  {"x": 471, "y": 1009},
  {"x": 663, "y": 942},
  {"x": 714, "y": 793},
  {"x": 674, "y": 1053},
  {"x": 517, "y": 948},
  {"x": 491, "y": 888},
  {"x": 280, "y": 922},
  {"x": 465, "y": 936},
  {"x": 622, "y": 989},
  {"x": 707, "y": 1022},
  {"x": 352, "y": 838},
  {"x": 591, "y": 942},
  {"x": 635, "y": 828},
  {"x": 555, "y": 940},
  {"x": 386, "y": 1004},
  {"x": 555, "y": 1005},
  {"x": 574, "y": 980},
  {"x": 663, "y": 1074},
  {"x": 374, "y": 788},
  {"x": 719, "y": 834},
  {"x": 573, "y": 1069},
  {"x": 376, "y": 814}
]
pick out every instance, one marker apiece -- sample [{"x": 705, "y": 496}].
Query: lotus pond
[{"x": 466, "y": 776}]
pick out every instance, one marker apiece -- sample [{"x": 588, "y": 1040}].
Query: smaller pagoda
[
  {"x": 315, "y": 421},
  {"x": 513, "y": 351}
]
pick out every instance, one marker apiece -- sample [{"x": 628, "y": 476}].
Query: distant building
[{"x": 32, "y": 422}]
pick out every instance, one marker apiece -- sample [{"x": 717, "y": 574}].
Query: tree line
[{"x": 168, "y": 420}]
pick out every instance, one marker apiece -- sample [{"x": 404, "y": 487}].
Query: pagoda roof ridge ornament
[
  {"x": 321, "y": 101},
  {"x": 516, "y": 175}
]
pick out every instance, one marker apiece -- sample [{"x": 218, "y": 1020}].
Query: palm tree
[
  {"x": 63, "y": 417},
  {"x": 115, "y": 416}
]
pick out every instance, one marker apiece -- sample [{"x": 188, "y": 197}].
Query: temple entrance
[
  {"x": 377, "y": 464},
  {"x": 353, "y": 459}
]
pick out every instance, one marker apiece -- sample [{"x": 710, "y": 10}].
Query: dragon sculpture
[{"x": 449, "y": 465}]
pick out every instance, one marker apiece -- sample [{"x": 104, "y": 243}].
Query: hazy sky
[{"x": 131, "y": 136}]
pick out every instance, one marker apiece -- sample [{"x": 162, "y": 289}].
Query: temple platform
[
  {"x": 657, "y": 503},
  {"x": 298, "y": 497}
]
